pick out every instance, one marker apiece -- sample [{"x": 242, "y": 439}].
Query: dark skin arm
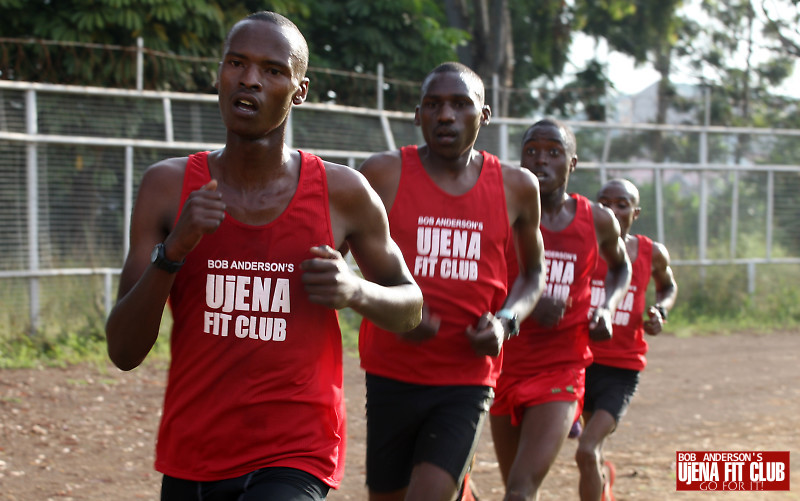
[
  {"x": 666, "y": 289},
  {"x": 524, "y": 212},
  {"x": 612, "y": 249},
  {"x": 387, "y": 295},
  {"x": 132, "y": 326},
  {"x": 382, "y": 170}
]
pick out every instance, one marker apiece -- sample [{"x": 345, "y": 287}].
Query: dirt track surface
[{"x": 87, "y": 433}]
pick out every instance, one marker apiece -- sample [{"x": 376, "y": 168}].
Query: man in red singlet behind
[
  {"x": 243, "y": 242},
  {"x": 541, "y": 386},
  {"x": 612, "y": 378},
  {"x": 453, "y": 211}
]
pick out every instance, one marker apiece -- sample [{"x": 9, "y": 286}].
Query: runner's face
[
  {"x": 257, "y": 82},
  {"x": 544, "y": 153},
  {"x": 450, "y": 114},
  {"x": 617, "y": 198}
]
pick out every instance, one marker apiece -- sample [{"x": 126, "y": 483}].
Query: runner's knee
[{"x": 587, "y": 456}]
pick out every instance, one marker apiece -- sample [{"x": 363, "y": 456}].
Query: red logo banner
[{"x": 732, "y": 470}]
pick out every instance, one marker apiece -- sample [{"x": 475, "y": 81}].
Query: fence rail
[{"x": 71, "y": 159}]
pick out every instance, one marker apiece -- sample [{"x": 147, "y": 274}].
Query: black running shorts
[
  {"x": 286, "y": 484},
  {"x": 408, "y": 424},
  {"x": 610, "y": 389}
]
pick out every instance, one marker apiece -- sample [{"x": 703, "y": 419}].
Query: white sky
[{"x": 629, "y": 79}]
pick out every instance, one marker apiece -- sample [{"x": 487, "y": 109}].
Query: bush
[{"x": 717, "y": 299}]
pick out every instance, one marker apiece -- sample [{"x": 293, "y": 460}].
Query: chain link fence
[{"x": 71, "y": 159}]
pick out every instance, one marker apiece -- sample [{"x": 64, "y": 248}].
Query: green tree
[
  {"x": 782, "y": 18},
  {"x": 645, "y": 30},
  {"x": 587, "y": 93},
  {"x": 518, "y": 41},
  {"x": 542, "y": 33},
  {"x": 741, "y": 78},
  {"x": 409, "y": 37},
  {"x": 727, "y": 59},
  {"x": 191, "y": 28}
]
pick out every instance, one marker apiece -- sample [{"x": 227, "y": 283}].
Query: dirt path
[{"x": 86, "y": 433}]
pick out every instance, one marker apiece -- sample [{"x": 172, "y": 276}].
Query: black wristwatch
[
  {"x": 511, "y": 321},
  {"x": 661, "y": 311},
  {"x": 159, "y": 259}
]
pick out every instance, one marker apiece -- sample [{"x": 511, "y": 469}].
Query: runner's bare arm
[
  {"x": 387, "y": 294},
  {"x": 666, "y": 290},
  {"x": 383, "y": 170},
  {"x": 612, "y": 249},
  {"x": 132, "y": 326},
  {"x": 524, "y": 213}
]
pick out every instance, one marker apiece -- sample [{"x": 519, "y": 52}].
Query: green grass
[
  {"x": 64, "y": 347},
  {"x": 59, "y": 348},
  {"x": 715, "y": 301},
  {"x": 349, "y": 323}
]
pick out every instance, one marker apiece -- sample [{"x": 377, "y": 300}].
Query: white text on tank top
[
  {"x": 625, "y": 308},
  {"x": 448, "y": 248},
  {"x": 560, "y": 273},
  {"x": 244, "y": 305}
]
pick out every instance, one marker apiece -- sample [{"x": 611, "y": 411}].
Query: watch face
[
  {"x": 511, "y": 321},
  {"x": 160, "y": 260}
]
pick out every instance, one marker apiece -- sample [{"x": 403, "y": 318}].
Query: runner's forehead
[
  {"x": 546, "y": 133},
  {"x": 616, "y": 191},
  {"x": 263, "y": 40},
  {"x": 450, "y": 83}
]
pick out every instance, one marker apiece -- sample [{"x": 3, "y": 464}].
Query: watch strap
[
  {"x": 160, "y": 260},
  {"x": 511, "y": 320}
]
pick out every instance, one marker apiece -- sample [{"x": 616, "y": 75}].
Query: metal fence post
[
  {"x": 385, "y": 125},
  {"x": 169, "y": 133},
  {"x": 127, "y": 202},
  {"x": 32, "y": 128},
  {"x": 770, "y": 210},
  {"x": 702, "y": 227},
  {"x": 496, "y": 93},
  {"x": 379, "y": 87},
  {"x": 107, "y": 301},
  {"x": 751, "y": 278},
  {"x": 139, "y": 63},
  {"x": 734, "y": 213},
  {"x": 504, "y": 142},
  {"x": 658, "y": 177},
  {"x": 604, "y": 157}
]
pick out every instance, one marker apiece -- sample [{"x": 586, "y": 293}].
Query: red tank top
[
  {"x": 627, "y": 347},
  {"x": 455, "y": 247},
  {"x": 571, "y": 256},
  {"x": 256, "y": 372}
]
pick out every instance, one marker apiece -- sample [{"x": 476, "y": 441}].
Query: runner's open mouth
[{"x": 245, "y": 104}]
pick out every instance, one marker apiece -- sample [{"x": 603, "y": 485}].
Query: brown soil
[{"x": 87, "y": 433}]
